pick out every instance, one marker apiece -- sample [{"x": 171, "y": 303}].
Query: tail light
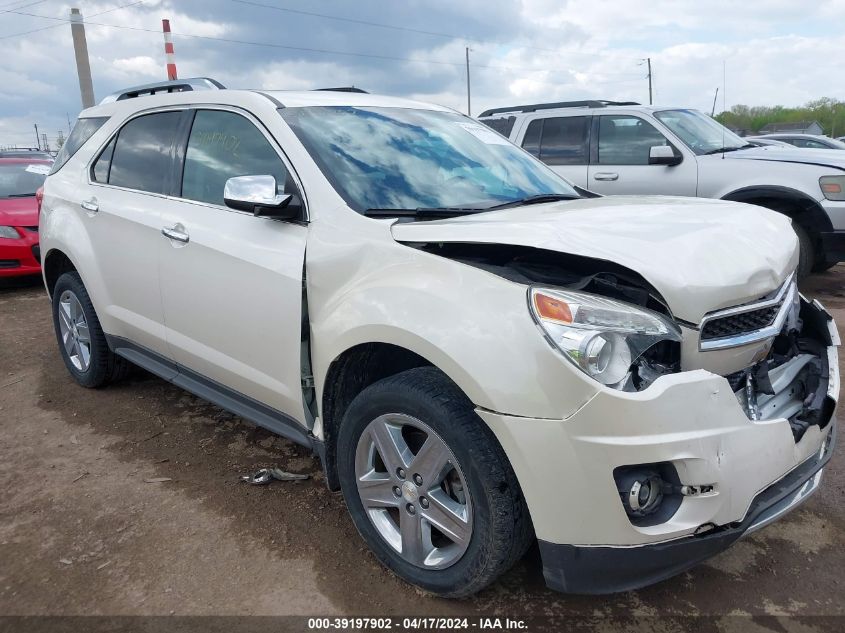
[{"x": 39, "y": 198}]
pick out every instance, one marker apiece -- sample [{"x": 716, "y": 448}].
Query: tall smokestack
[
  {"x": 83, "y": 66},
  {"x": 168, "y": 50}
]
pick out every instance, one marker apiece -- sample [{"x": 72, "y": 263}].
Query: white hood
[
  {"x": 701, "y": 255},
  {"x": 828, "y": 157}
]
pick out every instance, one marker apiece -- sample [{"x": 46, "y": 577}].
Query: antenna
[
  {"x": 469, "y": 108},
  {"x": 713, "y": 111},
  {"x": 724, "y": 83}
]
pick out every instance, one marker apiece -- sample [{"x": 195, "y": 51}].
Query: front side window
[
  {"x": 406, "y": 158},
  {"x": 142, "y": 153},
  {"x": 626, "y": 140},
  {"x": 83, "y": 129},
  {"x": 223, "y": 145}
]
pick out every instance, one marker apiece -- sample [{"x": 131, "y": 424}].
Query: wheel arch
[
  {"x": 56, "y": 263},
  {"x": 795, "y": 204}
]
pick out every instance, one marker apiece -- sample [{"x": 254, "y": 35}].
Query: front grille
[
  {"x": 742, "y": 323},
  {"x": 9, "y": 263}
]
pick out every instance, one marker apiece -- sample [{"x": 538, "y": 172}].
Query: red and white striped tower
[{"x": 168, "y": 50}]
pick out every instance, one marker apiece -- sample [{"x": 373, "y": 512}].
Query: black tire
[
  {"x": 104, "y": 366},
  {"x": 807, "y": 253},
  {"x": 501, "y": 529}
]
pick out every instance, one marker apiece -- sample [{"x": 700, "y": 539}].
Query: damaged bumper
[{"x": 731, "y": 470}]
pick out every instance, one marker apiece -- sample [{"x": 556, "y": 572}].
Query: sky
[{"x": 766, "y": 52}]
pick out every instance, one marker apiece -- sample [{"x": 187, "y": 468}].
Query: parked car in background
[
  {"x": 479, "y": 353},
  {"x": 807, "y": 141},
  {"x": 765, "y": 142},
  {"x": 26, "y": 152},
  {"x": 20, "y": 180},
  {"x": 617, "y": 148}
]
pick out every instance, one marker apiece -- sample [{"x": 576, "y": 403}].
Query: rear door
[
  {"x": 619, "y": 160},
  {"x": 129, "y": 183},
  {"x": 562, "y": 143},
  {"x": 232, "y": 285}
]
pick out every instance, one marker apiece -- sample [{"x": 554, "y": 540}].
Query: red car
[{"x": 20, "y": 180}]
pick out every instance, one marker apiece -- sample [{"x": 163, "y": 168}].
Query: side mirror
[
  {"x": 663, "y": 155},
  {"x": 258, "y": 195}
]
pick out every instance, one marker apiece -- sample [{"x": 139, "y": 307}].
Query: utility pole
[
  {"x": 37, "y": 138},
  {"x": 46, "y": 143},
  {"x": 83, "y": 65},
  {"x": 469, "y": 106},
  {"x": 650, "y": 100},
  {"x": 68, "y": 122}
]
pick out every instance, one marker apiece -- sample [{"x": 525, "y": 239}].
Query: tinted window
[
  {"x": 531, "y": 140},
  {"x": 223, "y": 145},
  {"x": 141, "y": 157},
  {"x": 625, "y": 140},
  {"x": 564, "y": 140},
  {"x": 100, "y": 173},
  {"x": 502, "y": 125},
  {"x": 83, "y": 129}
]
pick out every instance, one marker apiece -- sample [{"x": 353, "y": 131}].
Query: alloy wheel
[
  {"x": 413, "y": 491},
  {"x": 73, "y": 326}
]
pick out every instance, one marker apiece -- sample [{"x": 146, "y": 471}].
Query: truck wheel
[
  {"x": 82, "y": 343},
  {"x": 428, "y": 486},
  {"x": 807, "y": 254}
]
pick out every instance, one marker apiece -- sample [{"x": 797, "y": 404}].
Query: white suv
[
  {"x": 478, "y": 354},
  {"x": 625, "y": 148}
]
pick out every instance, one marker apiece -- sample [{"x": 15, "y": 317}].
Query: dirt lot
[{"x": 82, "y": 532}]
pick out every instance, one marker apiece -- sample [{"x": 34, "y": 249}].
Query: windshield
[
  {"x": 20, "y": 180},
  {"x": 699, "y": 132},
  {"x": 402, "y": 158}
]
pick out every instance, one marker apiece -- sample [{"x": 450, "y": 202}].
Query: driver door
[
  {"x": 620, "y": 160},
  {"x": 231, "y": 283}
]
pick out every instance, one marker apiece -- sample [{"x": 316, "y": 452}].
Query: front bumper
[
  {"x": 600, "y": 570},
  {"x": 20, "y": 257},
  {"x": 694, "y": 422}
]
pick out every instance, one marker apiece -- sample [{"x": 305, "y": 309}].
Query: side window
[
  {"x": 142, "y": 157},
  {"x": 223, "y": 145},
  {"x": 564, "y": 140},
  {"x": 626, "y": 140},
  {"x": 100, "y": 172},
  {"x": 83, "y": 129},
  {"x": 531, "y": 141},
  {"x": 503, "y": 125}
]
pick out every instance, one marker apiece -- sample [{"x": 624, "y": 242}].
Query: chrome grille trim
[{"x": 782, "y": 300}]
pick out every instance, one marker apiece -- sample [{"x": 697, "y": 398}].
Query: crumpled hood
[
  {"x": 829, "y": 157},
  {"x": 701, "y": 255},
  {"x": 18, "y": 211}
]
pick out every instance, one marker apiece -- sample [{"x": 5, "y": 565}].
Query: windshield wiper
[
  {"x": 536, "y": 199},
  {"x": 21, "y": 195},
  {"x": 420, "y": 212},
  {"x": 722, "y": 150}
]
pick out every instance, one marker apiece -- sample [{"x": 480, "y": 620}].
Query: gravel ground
[{"x": 83, "y": 531}]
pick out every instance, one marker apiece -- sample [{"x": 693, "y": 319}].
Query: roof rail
[
  {"x": 342, "y": 89},
  {"x": 176, "y": 85},
  {"x": 600, "y": 103}
]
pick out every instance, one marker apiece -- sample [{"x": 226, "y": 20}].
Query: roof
[
  {"x": 797, "y": 126},
  {"x": 25, "y": 160}
]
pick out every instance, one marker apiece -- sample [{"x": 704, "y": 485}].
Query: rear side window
[
  {"x": 502, "y": 125},
  {"x": 82, "y": 131},
  {"x": 223, "y": 145},
  {"x": 564, "y": 140},
  {"x": 559, "y": 140},
  {"x": 142, "y": 153}
]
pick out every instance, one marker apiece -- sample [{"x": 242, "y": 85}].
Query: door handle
[
  {"x": 90, "y": 205},
  {"x": 177, "y": 233},
  {"x": 606, "y": 175}
]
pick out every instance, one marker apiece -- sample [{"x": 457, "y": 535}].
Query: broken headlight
[{"x": 602, "y": 337}]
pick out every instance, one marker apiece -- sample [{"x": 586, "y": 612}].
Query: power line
[
  {"x": 53, "y": 26},
  {"x": 405, "y": 28},
  {"x": 23, "y": 6}
]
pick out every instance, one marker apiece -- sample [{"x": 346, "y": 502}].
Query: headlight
[
  {"x": 833, "y": 187},
  {"x": 10, "y": 232},
  {"x": 602, "y": 337}
]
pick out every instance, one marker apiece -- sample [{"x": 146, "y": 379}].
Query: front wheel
[{"x": 428, "y": 486}]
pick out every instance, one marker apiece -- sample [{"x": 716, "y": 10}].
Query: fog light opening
[
  {"x": 645, "y": 495},
  {"x": 650, "y": 493}
]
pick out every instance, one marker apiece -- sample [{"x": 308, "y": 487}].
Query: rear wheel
[
  {"x": 428, "y": 486},
  {"x": 82, "y": 342}
]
